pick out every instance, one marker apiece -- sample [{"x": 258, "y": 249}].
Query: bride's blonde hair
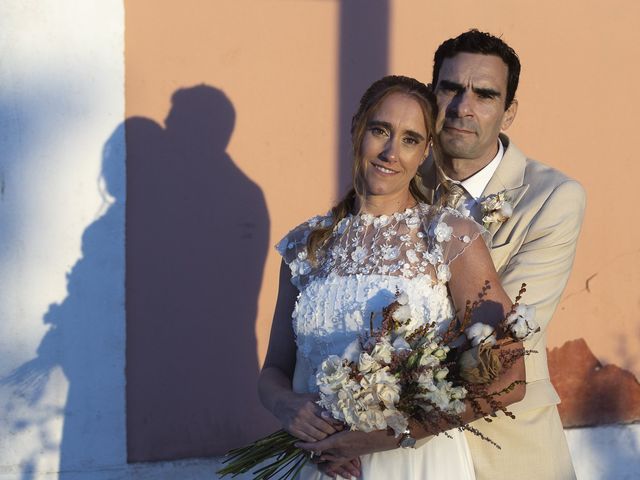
[{"x": 369, "y": 102}]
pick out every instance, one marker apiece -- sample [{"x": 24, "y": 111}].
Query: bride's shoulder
[{"x": 296, "y": 240}]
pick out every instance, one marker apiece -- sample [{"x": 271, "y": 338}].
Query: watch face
[{"x": 407, "y": 442}]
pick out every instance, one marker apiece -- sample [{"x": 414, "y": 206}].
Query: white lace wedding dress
[{"x": 365, "y": 261}]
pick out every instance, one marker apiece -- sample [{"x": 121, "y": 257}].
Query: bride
[{"x": 339, "y": 269}]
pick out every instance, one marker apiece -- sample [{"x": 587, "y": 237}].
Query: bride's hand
[
  {"x": 304, "y": 419},
  {"x": 348, "y": 444}
]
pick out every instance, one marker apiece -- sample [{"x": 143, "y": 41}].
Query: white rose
[
  {"x": 441, "y": 352},
  {"x": 427, "y": 360},
  {"x": 372, "y": 419},
  {"x": 383, "y": 376},
  {"x": 480, "y": 333},
  {"x": 458, "y": 393},
  {"x": 441, "y": 374},
  {"x": 332, "y": 375},
  {"x": 425, "y": 380},
  {"x": 382, "y": 352},
  {"x": 367, "y": 364},
  {"x": 440, "y": 397},
  {"x": 346, "y": 409},
  {"x": 389, "y": 394}
]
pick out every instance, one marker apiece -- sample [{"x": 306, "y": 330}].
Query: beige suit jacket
[{"x": 536, "y": 246}]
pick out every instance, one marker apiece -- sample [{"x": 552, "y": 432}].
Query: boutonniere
[{"x": 496, "y": 208}]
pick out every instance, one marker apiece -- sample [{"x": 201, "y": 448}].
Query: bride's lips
[{"x": 383, "y": 170}]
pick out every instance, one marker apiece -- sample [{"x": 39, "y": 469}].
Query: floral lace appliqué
[{"x": 408, "y": 244}]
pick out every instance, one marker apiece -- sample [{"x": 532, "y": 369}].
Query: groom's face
[{"x": 471, "y": 90}]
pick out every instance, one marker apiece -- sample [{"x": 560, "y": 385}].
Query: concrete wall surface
[{"x": 62, "y": 404}]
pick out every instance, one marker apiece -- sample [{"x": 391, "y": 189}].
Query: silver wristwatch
[{"x": 406, "y": 440}]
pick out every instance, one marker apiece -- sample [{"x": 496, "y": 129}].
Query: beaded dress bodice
[{"x": 364, "y": 262}]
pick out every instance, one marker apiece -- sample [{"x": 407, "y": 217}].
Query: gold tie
[{"x": 456, "y": 192}]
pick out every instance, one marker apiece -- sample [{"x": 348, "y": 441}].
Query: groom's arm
[
  {"x": 546, "y": 256},
  {"x": 544, "y": 262}
]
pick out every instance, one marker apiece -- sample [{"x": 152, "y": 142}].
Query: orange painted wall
[{"x": 292, "y": 69}]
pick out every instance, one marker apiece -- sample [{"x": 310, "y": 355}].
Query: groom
[{"x": 475, "y": 77}]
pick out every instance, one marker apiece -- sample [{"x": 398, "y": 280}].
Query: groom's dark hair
[{"x": 475, "y": 41}]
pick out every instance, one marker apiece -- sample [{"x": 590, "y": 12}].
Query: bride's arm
[
  {"x": 298, "y": 413},
  {"x": 469, "y": 272}
]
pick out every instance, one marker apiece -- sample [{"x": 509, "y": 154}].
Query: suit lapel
[{"x": 509, "y": 176}]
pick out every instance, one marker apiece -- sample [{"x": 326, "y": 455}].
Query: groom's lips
[{"x": 456, "y": 130}]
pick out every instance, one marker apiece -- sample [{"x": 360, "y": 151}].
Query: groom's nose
[{"x": 462, "y": 104}]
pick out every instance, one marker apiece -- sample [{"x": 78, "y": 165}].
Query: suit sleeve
[{"x": 545, "y": 258}]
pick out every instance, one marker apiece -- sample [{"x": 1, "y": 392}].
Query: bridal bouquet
[{"x": 397, "y": 373}]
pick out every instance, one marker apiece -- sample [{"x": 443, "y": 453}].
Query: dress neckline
[{"x": 408, "y": 212}]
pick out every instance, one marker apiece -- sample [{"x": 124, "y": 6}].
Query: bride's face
[{"x": 394, "y": 145}]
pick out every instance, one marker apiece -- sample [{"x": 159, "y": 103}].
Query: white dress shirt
[{"x": 475, "y": 185}]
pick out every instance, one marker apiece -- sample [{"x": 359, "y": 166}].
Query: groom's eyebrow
[
  {"x": 457, "y": 87},
  {"x": 487, "y": 92}
]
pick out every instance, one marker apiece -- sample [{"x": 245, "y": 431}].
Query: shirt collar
[{"x": 477, "y": 182}]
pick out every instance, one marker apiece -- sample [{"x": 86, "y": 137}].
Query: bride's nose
[{"x": 390, "y": 151}]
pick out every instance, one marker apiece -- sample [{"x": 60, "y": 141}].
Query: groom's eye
[
  {"x": 487, "y": 94},
  {"x": 449, "y": 87}
]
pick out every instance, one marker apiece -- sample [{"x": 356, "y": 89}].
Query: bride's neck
[{"x": 385, "y": 204}]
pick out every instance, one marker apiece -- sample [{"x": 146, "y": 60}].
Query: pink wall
[{"x": 256, "y": 148}]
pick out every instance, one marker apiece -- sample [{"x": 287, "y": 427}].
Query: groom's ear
[{"x": 509, "y": 115}]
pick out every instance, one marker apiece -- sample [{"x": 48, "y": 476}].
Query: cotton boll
[
  {"x": 402, "y": 313},
  {"x": 403, "y": 298},
  {"x": 480, "y": 333}
]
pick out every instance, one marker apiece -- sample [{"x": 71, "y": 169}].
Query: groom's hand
[{"x": 345, "y": 469}]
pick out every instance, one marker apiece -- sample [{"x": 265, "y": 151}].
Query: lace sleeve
[
  {"x": 293, "y": 248},
  {"x": 449, "y": 234}
]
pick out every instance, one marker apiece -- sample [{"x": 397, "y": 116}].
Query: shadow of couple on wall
[
  {"x": 197, "y": 240},
  {"x": 197, "y": 234}
]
